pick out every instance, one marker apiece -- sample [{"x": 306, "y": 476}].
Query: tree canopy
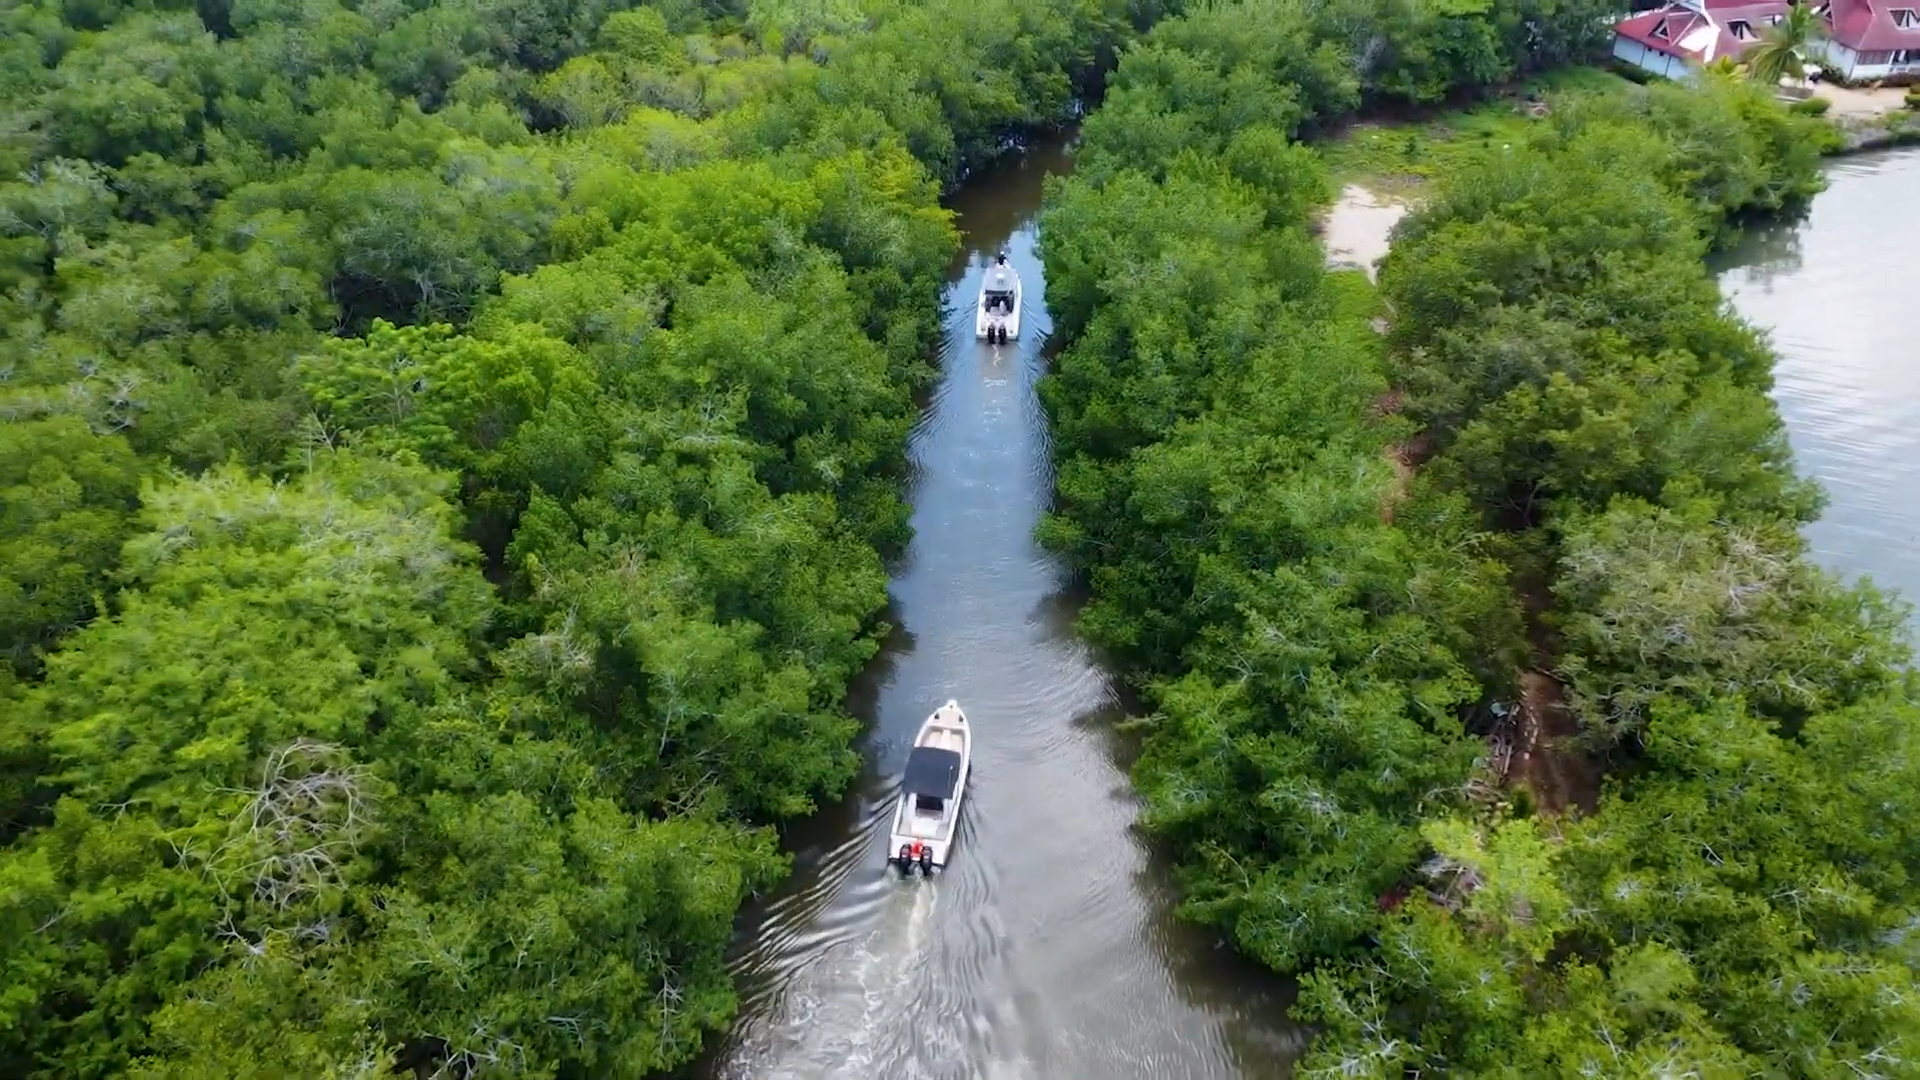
[
  {"x": 448, "y": 453},
  {"x": 1549, "y": 514}
]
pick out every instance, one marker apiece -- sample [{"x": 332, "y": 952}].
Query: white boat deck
[
  {"x": 939, "y": 735},
  {"x": 926, "y": 821},
  {"x": 999, "y": 305},
  {"x": 925, "y": 826}
]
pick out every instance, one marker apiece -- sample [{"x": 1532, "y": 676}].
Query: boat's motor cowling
[{"x": 912, "y": 855}]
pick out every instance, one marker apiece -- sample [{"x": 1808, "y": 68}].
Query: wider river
[{"x": 1840, "y": 295}]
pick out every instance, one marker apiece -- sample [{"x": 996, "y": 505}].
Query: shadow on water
[
  {"x": 1048, "y": 948},
  {"x": 1765, "y": 251}
]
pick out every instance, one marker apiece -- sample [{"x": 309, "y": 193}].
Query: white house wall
[
  {"x": 1848, "y": 62},
  {"x": 1653, "y": 60}
]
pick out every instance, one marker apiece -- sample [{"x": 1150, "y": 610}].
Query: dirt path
[
  {"x": 1556, "y": 772},
  {"x": 1537, "y": 746},
  {"x": 1861, "y": 103}
]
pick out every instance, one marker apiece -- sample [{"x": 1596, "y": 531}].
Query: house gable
[
  {"x": 1701, "y": 31},
  {"x": 1874, "y": 25}
]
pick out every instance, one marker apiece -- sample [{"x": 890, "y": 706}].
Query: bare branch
[{"x": 308, "y": 812}]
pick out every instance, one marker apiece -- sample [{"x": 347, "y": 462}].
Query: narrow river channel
[
  {"x": 1048, "y": 948},
  {"x": 1839, "y": 294}
]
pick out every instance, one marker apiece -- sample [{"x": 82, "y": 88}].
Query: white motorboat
[
  {"x": 928, "y": 816},
  {"x": 998, "y": 319}
]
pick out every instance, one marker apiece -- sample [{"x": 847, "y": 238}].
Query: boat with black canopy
[
  {"x": 997, "y": 319},
  {"x": 928, "y": 817}
]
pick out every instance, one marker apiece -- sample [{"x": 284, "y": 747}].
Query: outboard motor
[{"x": 912, "y": 855}]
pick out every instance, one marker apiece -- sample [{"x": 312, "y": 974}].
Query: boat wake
[
  {"x": 879, "y": 1005},
  {"x": 1044, "y": 947}
]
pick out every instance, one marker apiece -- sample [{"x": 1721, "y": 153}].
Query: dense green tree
[
  {"x": 67, "y": 497},
  {"x": 1310, "y": 665},
  {"x": 450, "y": 450},
  {"x": 1332, "y": 566},
  {"x": 631, "y": 300},
  {"x": 1729, "y": 903}
]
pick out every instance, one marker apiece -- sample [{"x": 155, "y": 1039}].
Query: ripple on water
[
  {"x": 1039, "y": 951},
  {"x": 1836, "y": 294}
]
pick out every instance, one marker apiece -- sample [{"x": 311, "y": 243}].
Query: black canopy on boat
[{"x": 932, "y": 771}]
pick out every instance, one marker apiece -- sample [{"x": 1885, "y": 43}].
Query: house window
[
  {"x": 1660, "y": 31},
  {"x": 1906, "y": 56},
  {"x": 1741, "y": 29},
  {"x": 1905, "y": 19}
]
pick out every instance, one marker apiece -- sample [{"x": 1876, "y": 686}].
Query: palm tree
[{"x": 1785, "y": 48}]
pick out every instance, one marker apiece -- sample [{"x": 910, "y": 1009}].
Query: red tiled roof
[
  {"x": 1700, "y": 30},
  {"x": 1867, "y": 25}
]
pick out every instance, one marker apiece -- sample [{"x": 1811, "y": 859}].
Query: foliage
[
  {"x": 1603, "y": 498},
  {"x": 1309, "y": 663},
  {"x": 1732, "y": 140},
  {"x": 1786, "y": 47},
  {"x": 448, "y": 452},
  {"x": 1579, "y": 382},
  {"x": 66, "y": 501},
  {"x": 1401, "y": 156},
  {"x": 1426, "y": 51}
]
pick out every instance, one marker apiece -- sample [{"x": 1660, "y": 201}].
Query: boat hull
[
  {"x": 999, "y": 321},
  {"x": 926, "y": 820}
]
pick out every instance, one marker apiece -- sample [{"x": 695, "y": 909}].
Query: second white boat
[
  {"x": 997, "y": 319},
  {"x": 928, "y": 817}
]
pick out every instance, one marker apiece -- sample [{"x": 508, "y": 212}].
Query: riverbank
[
  {"x": 1869, "y": 119},
  {"x": 1382, "y": 166},
  {"x": 1628, "y": 496},
  {"x": 1353, "y": 651}
]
